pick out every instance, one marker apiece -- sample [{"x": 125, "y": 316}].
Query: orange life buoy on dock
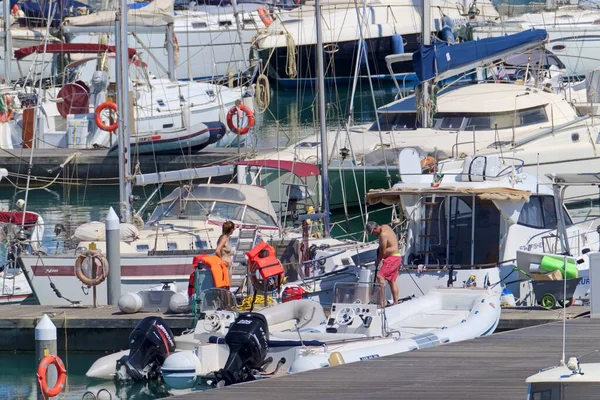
[
  {"x": 102, "y": 107},
  {"x": 42, "y": 372},
  {"x": 6, "y": 116},
  {"x": 265, "y": 16},
  {"x": 233, "y": 111},
  {"x": 96, "y": 257}
]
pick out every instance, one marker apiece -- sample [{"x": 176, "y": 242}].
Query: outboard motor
[
  {"x": 150, "y": 344},
  {"x": 248, "y": 344}
]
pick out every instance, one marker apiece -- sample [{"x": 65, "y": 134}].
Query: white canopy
[{"x": 157, "y": 13}]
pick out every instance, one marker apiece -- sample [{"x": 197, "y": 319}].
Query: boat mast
[
  {"x": 7, "y": 40},
  {"x": 122, "y": 69},
  {"x": 425, "y": 41},
  {"x": 322, "y": 122}
]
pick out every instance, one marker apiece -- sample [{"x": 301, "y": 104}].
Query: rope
[
  {"x": 260, "y": 299},
  {"x": 263, "y": 93},
  {"x": 290, "y": 64}
]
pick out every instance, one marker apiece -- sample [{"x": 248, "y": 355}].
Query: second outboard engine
[
  {"x": 150, "y": 344},
  {"x": 248, "y": 341}
]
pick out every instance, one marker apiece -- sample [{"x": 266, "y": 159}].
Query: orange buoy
[
  {"x": 42, "y": 372},
  {"x": 233, "y": 111},
  {"x": 95, "y": 256},
  {"x": 110, "y": 105},
  {"x": 265, "y": 16}
]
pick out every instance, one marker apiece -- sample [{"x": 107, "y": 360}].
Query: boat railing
[{"x": 550, "y": 240}]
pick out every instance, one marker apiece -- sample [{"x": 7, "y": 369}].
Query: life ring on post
[
  {"x": 99, "y": 109},
  {"x": 233, "y": 111},
  {"x": 6, "y": 116},
  {"x": 42, "y": 372},
  {"x": 96, "y": 257},
  {"x": 265, "y": 16}
]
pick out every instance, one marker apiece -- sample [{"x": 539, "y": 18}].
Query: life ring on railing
[
  {"x": 233, "y": 111},
  {"x": 6, "y": 116},
  {"x": 99, "y": 109},
  {"x": 42, "y": 372},
  {"x": 265, "y": 16},
  {"x": 96, "y": 256}
]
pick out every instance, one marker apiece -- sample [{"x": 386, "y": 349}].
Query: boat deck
[
  {"x": 492, "y": 368},
  {"x": 89, "y": 164},
  {"x": 107, "y": 329}
]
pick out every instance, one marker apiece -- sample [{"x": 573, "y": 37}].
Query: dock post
[
  {"x": 113, "y": 255},
  {"x": 594, "y": 278},
  {"x": 45, "y": 345}
]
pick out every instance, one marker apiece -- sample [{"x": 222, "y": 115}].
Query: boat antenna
[
  {"x": 122, "y": 75},
  {"x": 322, "y": 122}
]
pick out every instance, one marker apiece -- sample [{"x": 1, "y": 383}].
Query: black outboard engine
[
  {"x": 150, "y": 344},
  {"x": 248, "y": 341}
]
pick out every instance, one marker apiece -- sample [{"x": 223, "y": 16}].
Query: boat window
[
  {"x": 255, "y": 217},
  {"x": 199, "y": 25},
  {"x": 481, "y": 122},
  {"x": 196, "y": 209},
  {"x": 540, "y": 213},
  {"x": 217, "y": 300},
  {"x": 395, "y": 122},
  {"x": 358, "y": 293},
  {"x": 227, "y": 211}
]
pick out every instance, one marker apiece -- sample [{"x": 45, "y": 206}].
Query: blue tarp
[{"x": 441, "y": 56}]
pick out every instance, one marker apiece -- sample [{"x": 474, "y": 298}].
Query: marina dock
[
  {"x": 90, "y": 164},
  {"x": 107, "y": 329},
  {"x": 493, "y": 367}
]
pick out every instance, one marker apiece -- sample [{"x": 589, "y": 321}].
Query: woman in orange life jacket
[{"x": 224, "y": 250}]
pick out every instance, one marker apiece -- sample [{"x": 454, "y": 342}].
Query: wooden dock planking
[{"x": 491, "y": 368}]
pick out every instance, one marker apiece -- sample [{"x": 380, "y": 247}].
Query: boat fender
[
  {"x": 99, "y": 260},
  {"x": 42, "y": 372},
  {"x": 446, "y": 35},
  {"x": 236, "y": 111},
  {"x": 179, "y": 303},
  {"x": 130, "y": 303},
  {"x": 6, "y": 115},
  {"x": 98, "y": 120},
  {"x": 397, "y": 44},
  {"x": 265, "y": 16}
]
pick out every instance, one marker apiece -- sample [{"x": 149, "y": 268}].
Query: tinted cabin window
[
  {"x": 487, "y": 231},
  {"x": 395, "y": 122},
  {"x": 540, "y": 213},
  {"x": 482, "y": 122}
]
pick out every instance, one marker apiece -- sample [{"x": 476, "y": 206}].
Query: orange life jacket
[
  {"x": 218, "y": 269},
  {"x": 262, "y": 258}
]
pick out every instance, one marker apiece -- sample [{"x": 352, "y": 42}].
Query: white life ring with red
[
  {"x": 232, "y": 112},
  {"x": 99, "y": 109},
  {"x": 96, "y": 256},
  {"x": 265, "y": 16},
  {"x": 6, "y": 116},
  {"x": 42, "y": 371}
]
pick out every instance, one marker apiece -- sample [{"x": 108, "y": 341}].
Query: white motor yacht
[{"x": 466, "y": 222}]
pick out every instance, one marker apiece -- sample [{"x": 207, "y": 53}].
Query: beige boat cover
[
  {"x": 393, "y": 195},
  {"x": 157, "y": 13}
]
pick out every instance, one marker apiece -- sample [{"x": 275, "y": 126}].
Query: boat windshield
[
  {"x": 203, "y": 210},
  {"x": 358, "y": 293},
  {"x": 217, "y": 300}
]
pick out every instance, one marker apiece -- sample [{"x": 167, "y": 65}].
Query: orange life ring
[
  {"x": 233, "y": 111},
  {"x": 6, "y": 116},
  {"x": 95, "y": 256},
  {"x": 428, "y": 164},
  {"x": 99, "y": 109},
  {"x": 60, "y": 381},
  {"x": 265, "y": 16}
]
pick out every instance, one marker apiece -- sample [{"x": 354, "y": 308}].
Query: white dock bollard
[
  {"x": 45, "y": 345},
  {"x": 113, "y": 255}
]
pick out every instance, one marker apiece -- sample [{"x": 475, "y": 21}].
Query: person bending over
[{"x": 389, "y": 259}]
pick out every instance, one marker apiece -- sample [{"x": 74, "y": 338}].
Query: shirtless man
[{"x": 388, "y": 259}]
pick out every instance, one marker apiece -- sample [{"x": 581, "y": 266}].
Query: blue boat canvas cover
[{"x": 441, "y": 60}]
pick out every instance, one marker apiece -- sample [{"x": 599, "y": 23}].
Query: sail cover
[
  {"x": 441, "y": 60},
  {"x": 156, "y": 13}
]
